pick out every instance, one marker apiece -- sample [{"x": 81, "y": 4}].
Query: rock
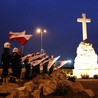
[
  {"x": 49, "y": 88},
  {"x": 76, "y": 87},
  {"x": 21, "y": 89},
  {"x": 13, "y": 94},
  {"x": 89, "y": 92},
  {"x": 36, "y": 94},
  {"x": 30, "y": 86},
  {"x": 8, "y": 87},
  {"x": 35, "y": 80}
]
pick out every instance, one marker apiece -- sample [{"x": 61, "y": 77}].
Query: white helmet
[
  {"x": 15, "y": 49},
  {"x": 7, "y": 45}
]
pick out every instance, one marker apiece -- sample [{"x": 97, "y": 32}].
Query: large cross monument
[
  {"x": 84, "y": 29},
  {"x": 85, "y": 62}
]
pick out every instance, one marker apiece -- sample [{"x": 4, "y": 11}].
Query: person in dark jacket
[
  {"x": 38, "y": 66},
  {"x": 5, "y": 58},
  {"x": 34, "y": 68},
  {"x": 27, "y": 67},
  {"x": 16, "y": 65},
  {"x": 45, "y": 65}
]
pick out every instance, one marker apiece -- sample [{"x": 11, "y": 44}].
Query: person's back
[
  {"x": 16, "y": 63},
  {"x": 5, "y": 58},
  {"x": 15, "y": 58},
  {"x": 45, "y": 65},
  {"x": 27, "y": 67}
]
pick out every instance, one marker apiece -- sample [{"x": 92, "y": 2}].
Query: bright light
[
  {"x": 45, "y": 31},
  {"x": 38, "y": 30},
  {"x": 69, "y": 61}
]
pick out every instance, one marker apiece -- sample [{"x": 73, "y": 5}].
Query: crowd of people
[{"x": 15, "y": 59}]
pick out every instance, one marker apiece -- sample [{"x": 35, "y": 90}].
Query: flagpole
[{"x": 21, "y": 48}]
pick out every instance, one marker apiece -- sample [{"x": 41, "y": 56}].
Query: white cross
[{"x": 84, "y": 20}]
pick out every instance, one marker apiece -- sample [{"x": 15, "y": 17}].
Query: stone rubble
[{"x": 45, "y": 85}]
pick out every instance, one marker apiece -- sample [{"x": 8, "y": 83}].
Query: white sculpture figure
[{"x": 86, "y": 57}]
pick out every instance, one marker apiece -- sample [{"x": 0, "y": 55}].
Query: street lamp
[{"x": 41, "y": 35}]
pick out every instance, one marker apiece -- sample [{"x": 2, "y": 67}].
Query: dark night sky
[{"x": 58, "y": 17}]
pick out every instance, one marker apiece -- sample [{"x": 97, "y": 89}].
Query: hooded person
[
  {"x": 5, "y": 58},
  {"x": 16, "y": 64},
  {"x": 27, "y": 67}
]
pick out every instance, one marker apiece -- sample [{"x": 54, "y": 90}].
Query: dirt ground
[{"x": 87, "y": 84}]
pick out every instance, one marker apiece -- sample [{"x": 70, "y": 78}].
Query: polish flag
[
  {"x": 20, "y": 37},
  {"x": 24, "y": 57},
  {"x": 15, "y": 34},
  {"x": 61, "y": 64},
  {"x": 36, "y": 62},
  {"x": 51, "y": 62},
  {"x": 36, "y": 57},
  {"x": 42, "y": 63},
  {"x": 31, "y": 58}
]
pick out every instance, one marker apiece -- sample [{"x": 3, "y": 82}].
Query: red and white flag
[
  {"x": 42, "y": 63},
  {"x": 24, "y": 57},
  {"x": 36, "y": 62},
  {"x": 62, "y": 63},
  {"x": 15, "y": 34},
  {"x": 23, "y": 39},
  {"x": 31, "y": 58},
  {"x": 20, "y": 37},
  {"x": 51, "y": 62},
  {"x": 36, "y": 57}
]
